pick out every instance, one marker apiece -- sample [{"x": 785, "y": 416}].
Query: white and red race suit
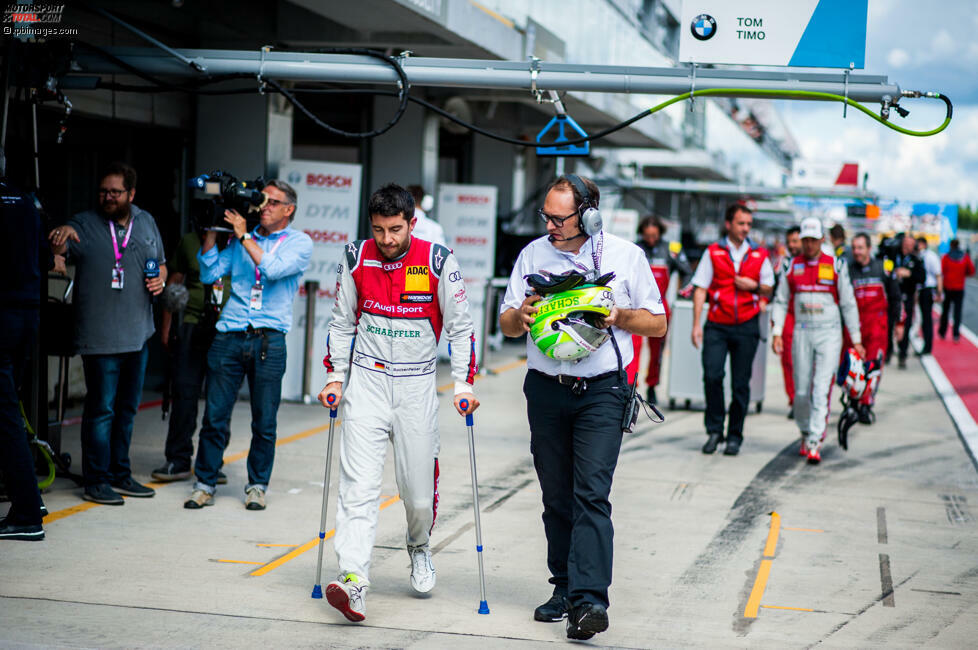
[
  {"x": 383, "y": 337},
  {"x": 817, "y": 290},
  {"x": 878, "y": 297}
]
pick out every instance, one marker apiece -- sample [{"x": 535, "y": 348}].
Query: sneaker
[
  {"x": 198, "y": 499},
  {"x": 348, "y": 594},
  {"x": 555, "y": 609},
  {"x": 422, "y": 570},
  {"x": 27, "y": 533},
  {"x": 814, "y": 452},
  {"x": 584, "y": 621},
  {"x": 131, "y": 488},
  {"x": 803, "y": 450},
  {"x": 255, "y": 499},
  {"x": 222, "y": 478},
  {"x": 170, "y": 472},
  {"x": 44, "y": 510},
  {"x": 102, "y": 493}
]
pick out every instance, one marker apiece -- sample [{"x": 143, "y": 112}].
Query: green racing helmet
[{"x": 566, "y": 325}]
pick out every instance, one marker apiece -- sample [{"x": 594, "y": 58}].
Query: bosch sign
[
  {"x": 328, "y": 236},
  {"x": 329, "y": 181},
  {"x": 473, "y": 199}
]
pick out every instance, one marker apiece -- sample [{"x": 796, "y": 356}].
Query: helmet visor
[{"x": 584, "y": 332}]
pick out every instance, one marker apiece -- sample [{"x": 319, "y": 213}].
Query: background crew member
[
  {"x": 187, "y": 336},
  {"x": 792, "y": 242},
  {"x": 817, "y": 287},
  {"x": 733, "y": 273},
  {"x": 663, "y": 262},
  {"x": 955, "y": 267},
  {"x": 425, "y": 227},
  {"x": 265, "y": 267},
  {"x": 837, "y": 239},
  {"x": 23, "y": 253},
  {"x": 395, "y": 292},
  {"x": 575, "y": 409},
  {"x": 929, "y": 293},
  {"x": 878, "y": 298},
  {"x": 112, "y": 248},
  {"x": 909, "y": 269}
]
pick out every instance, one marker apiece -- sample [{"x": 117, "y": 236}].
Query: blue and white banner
[{"x": 803, "y": 33}]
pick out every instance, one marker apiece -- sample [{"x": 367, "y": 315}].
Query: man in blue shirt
[{"x": 265, "y": 267}]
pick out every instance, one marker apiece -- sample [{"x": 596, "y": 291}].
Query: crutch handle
[
  {"x": 330, "y": 399},
  {"x": 464, "y": 405}
]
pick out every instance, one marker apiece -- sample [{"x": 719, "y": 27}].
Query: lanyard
[
  {"x": 273, "y": 249},
  {"x": 596, "y": 253},
  {"x": 125, "y": 242}
]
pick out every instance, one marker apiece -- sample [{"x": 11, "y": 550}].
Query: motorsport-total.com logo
[{"x": 703, "y": 27}]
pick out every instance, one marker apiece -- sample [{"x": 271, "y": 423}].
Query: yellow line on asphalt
[
  {"x": 772, "y": 535},
  {"x": 760, "y": 582},
  {"x": 803, "y": 530},
  {"x": 239, "y": 561},
  {"x": 288, "y": 557},
  {"x": 67, "y": 512},
  {"x": 794, "y": 609},
  {"x": 510, "y": 365},
  {"x": 758, "y": 591}
]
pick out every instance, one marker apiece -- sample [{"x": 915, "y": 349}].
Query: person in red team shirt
[
  {"x": 878, "y": 298},
  {"x": 663, "y": 261},
  {"x": 955, "y": 266},
  {"x": 792, "y": 242}
]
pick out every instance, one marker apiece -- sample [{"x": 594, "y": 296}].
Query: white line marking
[{"x": 295, "y": 490}]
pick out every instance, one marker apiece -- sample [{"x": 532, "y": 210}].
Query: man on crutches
[{"x": 394, "y": 294}]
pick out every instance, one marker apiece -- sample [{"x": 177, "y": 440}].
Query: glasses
[
  {"x": 113, "y": 193},
  {"x": 557, "y": 221},
  {"x": 276, "y": 202}
]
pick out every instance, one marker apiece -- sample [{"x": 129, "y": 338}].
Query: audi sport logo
[
  {"x": 328, "y": 236},
  {"x": 330, "y": 181}
]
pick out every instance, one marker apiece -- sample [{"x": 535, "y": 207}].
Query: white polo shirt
[
  {"x": 633, "y": 286},
  {"x": 703, "y": 277},
  {"x": 932, "y": 265}
]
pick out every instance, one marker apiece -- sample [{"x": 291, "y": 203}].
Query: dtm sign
[{"x": 807, "y": 33}]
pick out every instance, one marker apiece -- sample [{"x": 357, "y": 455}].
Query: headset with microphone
[{"x": 590, "y": 221}]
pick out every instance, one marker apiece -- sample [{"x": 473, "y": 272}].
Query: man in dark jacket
[{"x": 909, "y": 270}]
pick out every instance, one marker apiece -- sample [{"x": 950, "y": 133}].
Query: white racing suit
[
  {"x": 818, "y": 289},
  {"x": 383, "y": 337}
]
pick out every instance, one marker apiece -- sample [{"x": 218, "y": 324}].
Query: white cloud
[
  {"x": 941, "y": 168},
  {"x": 943, "y": 44},
  {"x": 898, "y": 57}
]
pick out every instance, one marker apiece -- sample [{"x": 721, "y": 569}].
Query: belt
[
  {"x": 253, "y": 331},
  {"x": 577, "y": 384}
]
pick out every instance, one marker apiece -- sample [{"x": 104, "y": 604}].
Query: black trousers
[
  {"x": 19, "y": 327},
  {"x": 189, "y": 369},
  {"x": 953, "y": 302},
  {"x": 908, "y": 303},
  {"x": 926, "y": 301},
  {"x": 575, "y": 440},
  {"x": 740, "y": 341}
]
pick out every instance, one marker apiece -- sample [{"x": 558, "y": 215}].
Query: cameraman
[
  {"x": 187, "y": 335},
  {"x": 266, "y": 265}
]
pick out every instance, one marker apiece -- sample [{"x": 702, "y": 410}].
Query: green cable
[{"x": 808, "y": 94}]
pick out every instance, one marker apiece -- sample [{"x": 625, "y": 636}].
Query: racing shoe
[
  {"x": 348, "y": 594},
  {"x": 422, "y": 570},
  {"x": 803, "y": 449},
  {"x": 814, "y": 452}
]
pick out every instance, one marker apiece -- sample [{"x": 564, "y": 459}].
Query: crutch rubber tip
[
  {"x": 483, "y": 607},
  {"x": 317, "y": 591}
]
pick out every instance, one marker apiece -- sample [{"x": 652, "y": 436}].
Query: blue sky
[{"x": 919, "y": 46}]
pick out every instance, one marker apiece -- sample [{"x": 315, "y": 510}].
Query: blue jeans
[
  {"x": 232, "y": 357},
  {"x": 115, "y": 384}
]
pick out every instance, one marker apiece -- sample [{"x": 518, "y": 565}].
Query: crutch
[
  {"x": 483, "y": 605},
  {"x": 317, "y": 590}
]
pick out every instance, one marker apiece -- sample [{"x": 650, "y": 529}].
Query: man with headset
[{"x": 575, "y": 409}]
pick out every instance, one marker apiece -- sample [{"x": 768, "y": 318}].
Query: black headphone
[{"x": 590, "y": 222}]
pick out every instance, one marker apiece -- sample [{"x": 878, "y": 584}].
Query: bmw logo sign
[
  {"x": 704, "y": 27},
  {"x": 294, "y": 177}
]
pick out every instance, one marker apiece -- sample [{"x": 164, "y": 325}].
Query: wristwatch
[{"x": 243, "y": 237}]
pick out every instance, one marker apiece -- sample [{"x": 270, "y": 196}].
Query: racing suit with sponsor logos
[
  {"x": 663, "y": 263},
  {"x": 878, "y": 298},
  {"x": 383, "y": 338},
  {"x": 816, "y": 290}
]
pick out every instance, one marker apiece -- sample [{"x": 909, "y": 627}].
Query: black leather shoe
[
  {"x": 553, "y": 610},
  {"x": 25, "y": 532},
  {"x": 584, "y": 621},
  {"x": 712, "y": 442},
  {"x": 733, "y": 447}
]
